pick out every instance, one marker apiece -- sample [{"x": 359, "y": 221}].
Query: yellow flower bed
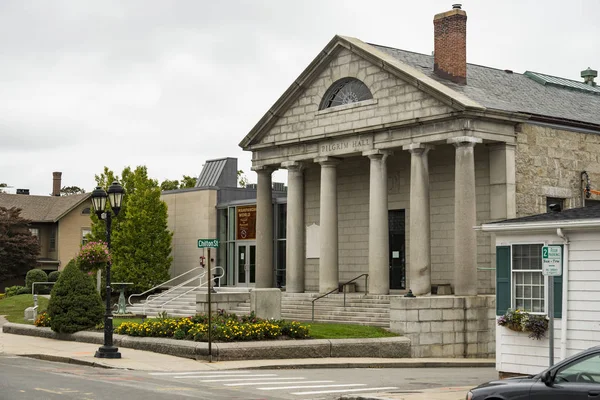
[{"x": 224, "y": 328}]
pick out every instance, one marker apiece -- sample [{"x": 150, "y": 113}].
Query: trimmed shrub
[
  {"x": 74, "y": 303},
  {"x": 35, "y": 275},
  {"x": 16, "y": 290},
  {"x": 53, "y": 276}
]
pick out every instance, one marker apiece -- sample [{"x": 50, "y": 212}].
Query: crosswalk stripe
[
  {"x": 312, "y": 386},
  {"x": 197, "y": 373},
  {"x": 243, "y": 379},
  {"x": 274, "y": 383},
  {"x": 218, "y": 376},
  {"x": 341, "y": 391}
]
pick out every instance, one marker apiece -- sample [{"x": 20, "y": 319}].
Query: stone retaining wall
[
  {"x": 446, "y": 326},
  {"x": 393, "y": 347}
]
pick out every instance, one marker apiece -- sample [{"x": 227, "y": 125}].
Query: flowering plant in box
[
  {"x": 93, "y": 256},
  {"x": 522, "y": 321}
]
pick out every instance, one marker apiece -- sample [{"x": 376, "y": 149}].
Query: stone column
[
  {"x": 294, "y": 268},
  {"x": 264, "y": 228},
  {"x": 465, "y": 243},
  {"x": 503, "y": 203},
  {"x": 328, "y": 263},
  {"x": 419, "y": 274},
  {"x": 379, "y": 242}
]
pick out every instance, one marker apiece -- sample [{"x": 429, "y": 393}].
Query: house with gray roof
[
  {"x": 61, "y": 224},
  {"x": 393, "y": 157},
  {"x": 523, "y": 278}
]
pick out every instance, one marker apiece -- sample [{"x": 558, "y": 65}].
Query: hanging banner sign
[{"x": 246, "y": 223}]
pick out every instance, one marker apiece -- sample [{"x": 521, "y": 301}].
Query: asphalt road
[{"x": 29, "y": 379}]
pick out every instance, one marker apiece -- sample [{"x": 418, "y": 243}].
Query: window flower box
[{"x": 521, "y": 321}]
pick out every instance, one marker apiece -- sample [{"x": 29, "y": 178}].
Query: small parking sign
[{"x": 551, "y": 260}]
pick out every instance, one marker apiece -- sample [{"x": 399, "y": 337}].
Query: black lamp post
[{"x": 115, "y": 196}]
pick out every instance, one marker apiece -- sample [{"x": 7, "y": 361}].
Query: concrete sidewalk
[{"x": 83, "y": 353}]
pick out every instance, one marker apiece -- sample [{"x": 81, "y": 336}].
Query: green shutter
[
  {"x": 502, "y": 279},
  {"x": 558, "y": 295}
]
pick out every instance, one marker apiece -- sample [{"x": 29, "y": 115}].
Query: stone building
[{"x": 393, "y": 157}]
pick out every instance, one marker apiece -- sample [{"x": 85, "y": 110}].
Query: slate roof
[
  {"x": 513, "y": 92},
  {"x": 42, "y": 208},
  {"x": 592, "y": 212}
]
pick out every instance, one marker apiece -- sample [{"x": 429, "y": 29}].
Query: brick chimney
[
  {"x": 56, "y": 182},
  {"x": 450, "y": 47}
]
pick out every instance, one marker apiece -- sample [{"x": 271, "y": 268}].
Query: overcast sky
[{"x": 170, "y": 84}]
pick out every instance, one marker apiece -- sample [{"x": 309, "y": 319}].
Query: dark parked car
[{"x": 577, "y": 377}]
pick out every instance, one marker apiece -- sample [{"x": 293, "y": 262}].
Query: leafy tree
[
  {"x": 74, "y": 303},
  {"x": 18, "y": 247},
  {"x": 169, "y": 185},
  {"x": 186, "y": 183},
  {"x": 242, "y": 179},
  {"x": 69, "y": 190},
  {"x": 141, "y": 242}
]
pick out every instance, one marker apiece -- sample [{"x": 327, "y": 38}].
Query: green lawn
[
  {"x": 319, "y": 330},
  {"x": 14, "y": 307}
]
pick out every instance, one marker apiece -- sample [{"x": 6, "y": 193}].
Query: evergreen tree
[
  {"x": 18, "y": 247},
  {"x": 74, "y": 303},
  {"x": 141, "y": 242}
]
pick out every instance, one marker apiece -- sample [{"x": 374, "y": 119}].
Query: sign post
[
  {"x": 551, "y": 267},
  {"x": 208, "y": 244}
]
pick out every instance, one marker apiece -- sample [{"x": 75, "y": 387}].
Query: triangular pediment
[{"x": 399, "y": 91}]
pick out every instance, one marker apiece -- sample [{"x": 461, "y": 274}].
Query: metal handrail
[
  {"x": 157, "y": 286},
  {"x": 192, "y": 288},
  {"x": 35, "y": 303},
  {"x": 338, "y": 290},
  {"x": 153, "y": 298}
]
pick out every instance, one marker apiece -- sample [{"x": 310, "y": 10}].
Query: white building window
[
  {"x": 528, "y": 281},
  {"x": 84, "y": 235}
]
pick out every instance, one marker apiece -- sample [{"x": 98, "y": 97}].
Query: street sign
[
  {"x": 551, "y": 260},
  {"x": 208, "y": 243}
]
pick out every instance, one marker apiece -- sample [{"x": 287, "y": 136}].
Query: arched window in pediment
[{"x": 345, "y": 91}]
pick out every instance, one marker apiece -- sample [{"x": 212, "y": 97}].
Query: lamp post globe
[
  {"x": 115, "y": 196},
  {"x": 99, "y": 198}
]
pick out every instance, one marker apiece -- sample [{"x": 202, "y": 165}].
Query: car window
[{"x": 584, "y": 370}]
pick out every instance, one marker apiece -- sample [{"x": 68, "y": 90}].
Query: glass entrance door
[
  {"x": 397, "y": 249},
  {"x": 245, "y": 264}
]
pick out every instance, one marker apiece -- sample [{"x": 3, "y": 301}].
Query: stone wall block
[
  {"x": 459, "y": 302},
  {"x": 442, "y": 302},
  {"x": 448, "y": 337},
  {"x": 419, "y": 303},
  {"x": 430, "y": 315},
  {"x": 437, "y": 350},
  {"x": 430, "y": 338},
  {"x": 453, "y": 315}
]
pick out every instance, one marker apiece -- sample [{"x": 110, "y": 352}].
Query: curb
[
  {"x": 393, "y": 347},
  {"x": 68, "y": 360}
]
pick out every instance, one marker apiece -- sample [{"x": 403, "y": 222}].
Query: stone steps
[{"x": 359, "y": 308}]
